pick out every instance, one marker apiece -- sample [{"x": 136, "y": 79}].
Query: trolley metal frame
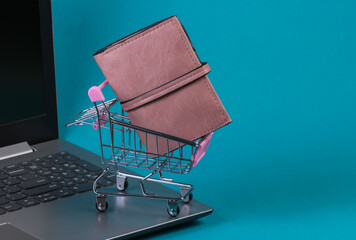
[{"x": 126, "y": 149}]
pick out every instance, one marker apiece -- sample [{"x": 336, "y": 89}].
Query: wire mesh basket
[{"x": 124, "y": 144}]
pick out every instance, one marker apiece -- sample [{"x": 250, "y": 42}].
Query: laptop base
[{"x": 76, "y": 217}]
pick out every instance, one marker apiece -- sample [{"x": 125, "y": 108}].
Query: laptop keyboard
[{"x": 45, "y": 179}]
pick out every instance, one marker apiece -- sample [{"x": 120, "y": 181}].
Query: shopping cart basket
[{"x": 124, "y": 148}]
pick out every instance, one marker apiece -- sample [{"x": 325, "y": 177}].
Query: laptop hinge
[{"x": 15, "y": 150}]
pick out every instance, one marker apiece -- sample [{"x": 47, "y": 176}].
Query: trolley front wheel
[
  {"x": 122, "y": 183},
  {"x": 101, "y": 203},
  {"x": 188, "y": 198},
  {"x": 173, "y": 208},
  {"x": 101, "y": 207},
  {"x": 183, "y": 192}
]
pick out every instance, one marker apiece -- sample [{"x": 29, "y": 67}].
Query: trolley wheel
[
  {"x": 188, "y": 198},
  {"x": 122, "y": 187},
  {"x": 184, "y": 191},
  {"x": 101, "y": 207},
  {"x": 173, "y": 208},
  {"x": 101, "y": 203}
]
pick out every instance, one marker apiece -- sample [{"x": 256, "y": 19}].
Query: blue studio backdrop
[{"x": 285, "y": 72}]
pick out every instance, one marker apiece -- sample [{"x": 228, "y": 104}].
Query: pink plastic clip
[
  {"x": 95, "y": 93},
  {"x": 102, "y": 122},
  {"x": 201, "y": 150}
]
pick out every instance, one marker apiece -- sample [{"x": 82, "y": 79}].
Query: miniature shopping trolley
[{"x": 120, "y": 146}]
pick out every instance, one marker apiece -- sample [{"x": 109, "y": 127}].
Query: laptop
[{"x": 46, "y": 182}]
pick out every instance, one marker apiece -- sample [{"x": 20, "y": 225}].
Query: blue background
[{"x": 284, "y": 70}]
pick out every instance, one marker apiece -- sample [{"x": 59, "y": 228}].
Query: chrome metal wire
[{"x": 129, "y": 149}]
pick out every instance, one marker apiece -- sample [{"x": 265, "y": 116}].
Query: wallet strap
[{"x": 166, "y": 88}]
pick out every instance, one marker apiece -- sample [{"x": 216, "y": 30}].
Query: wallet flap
[{"x": 147, "y": 59}]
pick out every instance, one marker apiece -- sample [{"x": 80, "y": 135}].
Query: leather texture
[{"x": 162, "y": 84}]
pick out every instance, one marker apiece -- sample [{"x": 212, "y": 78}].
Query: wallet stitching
[
  {"x": 148, "y": 32},
  {"x": 170, "y": 86},
  {"x": 136, "y": 38},
  {"x": 185, "y": 43}
]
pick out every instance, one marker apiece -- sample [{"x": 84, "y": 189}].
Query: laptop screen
[
  {"x": 21, "y": 62},
  {"x": 26, "y": 71}
]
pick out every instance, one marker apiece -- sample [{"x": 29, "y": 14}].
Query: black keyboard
[{"x": 45, "y": 179}]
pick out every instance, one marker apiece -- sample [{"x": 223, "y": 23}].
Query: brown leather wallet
[{"x": 162, "y": 85}]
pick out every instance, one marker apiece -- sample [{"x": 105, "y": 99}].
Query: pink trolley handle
[
  {"x": 95, "y": 93},
  {"x": 202, "y": 148}
]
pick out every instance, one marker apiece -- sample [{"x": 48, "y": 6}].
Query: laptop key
[
  {"x": 64, "y": 192},
  {"x": 79, "y": 179},
  {"x": 55, "y": 178},
  {"x": 61, "y": 154},
  {"x": 33, "y": 168},
  {"x": 67, "y": 183},
  {"x": 2, "y": 211},
  {"x": 10, "y": 207},
  {"x": 49, "y": 157},
  {"x": 11, "y": 181},
  {"x": 57, "y": 169},
  {"x": 17, "y": 172},
  {"x": 80, "y": 171},
  {"x": 71, "y": 157},
  {"x": 59, "y": 161},
  {"x": 91, "y": 176},
  {"x": 16, "y": 196},
  {"x": 46, "y": 197},
  {"x": 88, "y": 166},
  {"x": 3, "y": 200},
  {"x": 25, "y": 163},
  {"x": 104, "y": 182},
  {"x": 47, "y": 164},
  {"x": 41, "y": 190},
  {"x": 70, "y": 166},
  {"x": 2, "y": 185},
  {"x": 3, "y": 176},
  {"x": 37, "y": 160},
  {"x": 10, "y": 167},
  {"x": 68, "y": 174},
  {"x": 27, "y": 176},
  {"x": 28, "y": 202},
  {"x": 35, "y": 182},
  {"x": 2, "y": 193},
  {"x": 12, "y": 189},
  {"x": 44, "y": 172},
  {"x": 84, "y": 187}
]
